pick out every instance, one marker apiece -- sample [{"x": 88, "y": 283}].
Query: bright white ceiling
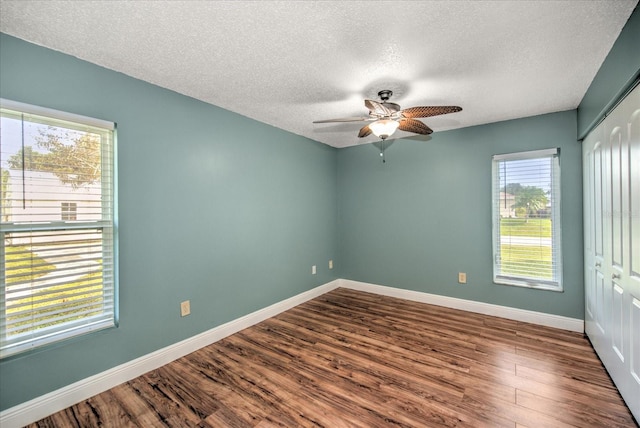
[{"x": 288, "y": 63}]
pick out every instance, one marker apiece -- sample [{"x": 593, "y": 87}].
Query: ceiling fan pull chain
[{"x": 382, "y": 153}]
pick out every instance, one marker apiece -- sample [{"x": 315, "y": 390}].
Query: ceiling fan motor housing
[
  {"x": 392, "y": 106},
  {"x": 384, "y": 95}
]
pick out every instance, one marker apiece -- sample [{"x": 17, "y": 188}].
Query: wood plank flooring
[{"x": 353, "y": 359}]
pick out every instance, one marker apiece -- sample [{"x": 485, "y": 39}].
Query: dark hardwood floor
[{"x": 353, "y": 359}]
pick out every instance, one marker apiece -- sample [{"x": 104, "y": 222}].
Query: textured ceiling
[{"x": 288, "y": 63}]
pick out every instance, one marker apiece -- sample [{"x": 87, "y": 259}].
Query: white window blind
[
  {"x": 57, "y": 226},
  {"x": 526, "y": 219}
]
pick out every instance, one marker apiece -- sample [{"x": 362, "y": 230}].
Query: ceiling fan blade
[
  {"x": 364, "y": 131},
  {"x": 377, "y": 108},
  {"x": 346, "y": 119},
  {"x": 428, "y": 111},
  {"x": 415, "y": 126}
]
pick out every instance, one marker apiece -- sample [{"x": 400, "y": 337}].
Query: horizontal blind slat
[{"x": 61, "y": 293}]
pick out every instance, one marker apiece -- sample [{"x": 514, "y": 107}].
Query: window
[
  {"x": 57, "y": 226},
  {"x": 69, "y": 211},
  {"x": 526, "y": 219}
]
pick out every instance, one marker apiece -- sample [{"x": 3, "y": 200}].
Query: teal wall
[
  {"x": 214, "y": 207},
  {"x": 619, "y": 70},
  {"x": 425, "y": 215}
]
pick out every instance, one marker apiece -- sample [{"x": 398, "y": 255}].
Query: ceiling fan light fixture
[{"x": 384, "y": 128}]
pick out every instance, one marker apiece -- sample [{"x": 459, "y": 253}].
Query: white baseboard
[
  {"x": 40, "y": 407},
  {"x": 540, "y": 318}
]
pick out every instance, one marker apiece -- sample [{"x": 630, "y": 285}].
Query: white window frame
[
  {"x": 555, "y": 284},
  {"x": 107, "y": 225}
]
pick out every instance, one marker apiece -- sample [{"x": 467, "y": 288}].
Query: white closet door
[
  {"x": 611, "y": 159},
  {"x": 594, "y": 166},
  {"x": 632, "y": 249}
]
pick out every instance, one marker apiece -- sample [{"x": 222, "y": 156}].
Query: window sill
[{"x": 537, "y": 285}]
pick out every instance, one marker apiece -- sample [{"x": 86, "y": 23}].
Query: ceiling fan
[{"x": 387, "y": 117}]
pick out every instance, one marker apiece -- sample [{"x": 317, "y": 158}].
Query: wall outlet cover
[{"x": 185, "y": 308}]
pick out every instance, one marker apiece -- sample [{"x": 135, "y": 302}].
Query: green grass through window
[
  {"x": 534, "y": 227},
  {"x": 73, "y": 297},
  {"x": 527, "y": 261}
]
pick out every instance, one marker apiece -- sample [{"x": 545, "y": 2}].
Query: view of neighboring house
[{"x": 39, "y": 196}]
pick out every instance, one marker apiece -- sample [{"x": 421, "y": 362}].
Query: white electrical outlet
[
  {"x": 313, "y": 270},
  {"x": 185, "y": 308},
  {"x": 330, "y": 264},
  {"x": 462, "y": 277}
]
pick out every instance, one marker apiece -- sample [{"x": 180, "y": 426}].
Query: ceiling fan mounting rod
[{"x": 385, "y": 94}]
